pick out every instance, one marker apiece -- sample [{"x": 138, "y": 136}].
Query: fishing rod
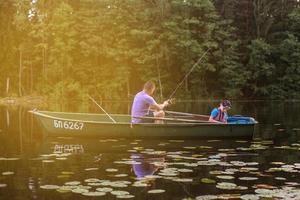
[
  {"x": 189, "y": 72},
  {"x": 91, "y": 98}
]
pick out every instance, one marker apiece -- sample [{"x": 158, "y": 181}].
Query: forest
[{"x": 67, "y": 49}]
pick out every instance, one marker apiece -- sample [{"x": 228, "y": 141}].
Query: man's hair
[{"x": 149, "y": 85}]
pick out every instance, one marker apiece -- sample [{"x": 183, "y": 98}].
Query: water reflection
[
  {"x": 146, "y": 165},
  {"x": 29, "y": 160},
  {"x": 68, "y": 148}
]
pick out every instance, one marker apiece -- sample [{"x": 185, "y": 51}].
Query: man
[
  {"x": 219, "y": 115},
  {"x": 143, "y": 102}
]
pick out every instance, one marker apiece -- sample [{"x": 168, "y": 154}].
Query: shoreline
[
  {"x": 24, "y": 100},
  {"x": 41, "y": 100}
]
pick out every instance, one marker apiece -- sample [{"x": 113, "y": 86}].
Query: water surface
[{"x": 33, "y": 166}]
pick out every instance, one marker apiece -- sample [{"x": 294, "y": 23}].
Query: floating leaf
[
  {"x": 185, "y": 170},
  {"x": 226, "y": 186},
  {"x": 91, "y": 180},
  {"x": 140, "y": 184},
  {"x": 49, "y": 187},
  {"x": 225, "y": 177},
  {"x": 121, "y": 175},
  {"x": 248, "y": 178},
  {"x": 178, "y": 141},
  {"x": 126, "y": 196},
  {"x": 280, "y": 178},
  {"x": 250, "y": 197},
  {"x": 80, "y": 190},
  {"x": 8, "y": 173},
  {"x": 94, "y": 184},
  {"x": 12, "y": 159},
  {"x": 61, "y": 158},
  {"x": 189, "y": 147},
  {"x": 91, "y": 169},
  {"x": 264, "y": 186},
  {"x": 94, "y": 194},
  {"x": 63, "y": 176},
  {"x": 156, "y": 191},
  {"x": 48, "y": 161},
  {"x": 207, "y": 180},
  {"x": 111, "y": 170},
  {"x": 119, "y": 192},
  {"x": 104, "y": 189},
  {"x": 67, "y": 173},
  {"x": 72, "y": 183},
  {"x": 207, "y": 197}
]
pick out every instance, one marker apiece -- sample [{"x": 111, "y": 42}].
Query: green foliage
[
  {"x": 289, "y": 51},
  {"x": 260, "y": 68},
  {"x": 66, "y": 49},
  {"x": 66, "y": 90}
]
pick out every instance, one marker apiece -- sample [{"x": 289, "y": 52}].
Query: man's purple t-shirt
[{"x": 141, "y": 103}]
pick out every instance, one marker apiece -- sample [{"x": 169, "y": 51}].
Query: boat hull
[{"x": 76, "y": 125}]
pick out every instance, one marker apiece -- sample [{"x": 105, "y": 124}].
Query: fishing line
[{"x": 189, "y": 72}]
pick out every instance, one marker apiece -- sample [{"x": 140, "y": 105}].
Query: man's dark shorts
[{"x": 150, "y": 114}]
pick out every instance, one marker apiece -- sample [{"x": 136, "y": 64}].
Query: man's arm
[{"x": 156, "y": 106}]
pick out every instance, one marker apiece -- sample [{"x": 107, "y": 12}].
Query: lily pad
[
  {"x": 91, "y": 169},
  {"x": 111, "y": 170},
  {"x": 207, "y": 197},
  {"x": 185, "y": 170},
  {"x": 94, "y": 194},
  {"x": 248, "y": 178},
  {"x": 140, "y": 184},
  {"x": 126, "y": 196},
  {"x": 121, "y": 175},
  {"x": 8, "y": 173},
  {"x": 226, "y": 186},
  {"x": 67, "y": 173},
  {"x": 249, "y": 197},
  {"x": 225, "y": 177},
  {"x": 207, "y": 180},
  {"x": 73, "y": 183},
  {"x": 91, "y": 180},
  {"x": 119, "y": 192},
  {"x": 104, "y": 189},
  {"x": 48, "y": 161},
  {"x": 80, "y": 191},
  {"x": 156, "y": 191},
  {"x": 49, "y": 187}
]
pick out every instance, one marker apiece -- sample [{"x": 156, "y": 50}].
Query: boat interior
[{"x": 171, "y": 117}]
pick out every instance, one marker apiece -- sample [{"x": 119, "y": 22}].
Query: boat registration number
[{"x": 68, "y": 125}]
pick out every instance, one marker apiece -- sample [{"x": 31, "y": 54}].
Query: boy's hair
[{"x": 226, "y": 103}]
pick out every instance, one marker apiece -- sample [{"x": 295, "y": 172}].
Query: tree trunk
[
  {"x": 7, "y": 86},
  {"x": 31, "y": 78},
  {"x": 20, "y": 75}
]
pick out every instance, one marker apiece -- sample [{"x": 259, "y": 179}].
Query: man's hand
[{"x": 166, "y": 103}]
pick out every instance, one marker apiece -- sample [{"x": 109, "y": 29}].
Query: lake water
[{"x": 33, "y": 166}]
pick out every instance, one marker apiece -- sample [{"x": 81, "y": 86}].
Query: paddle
[{"x": 91, "y": 98}]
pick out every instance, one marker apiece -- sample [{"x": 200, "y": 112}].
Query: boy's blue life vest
[{"x": 220, "y": 116}]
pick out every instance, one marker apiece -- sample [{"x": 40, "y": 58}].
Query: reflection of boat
[
  {"x": 184, "y": 126},
  {"x": 68, "y": 148},
  {"x": 145, "y": 165}
]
